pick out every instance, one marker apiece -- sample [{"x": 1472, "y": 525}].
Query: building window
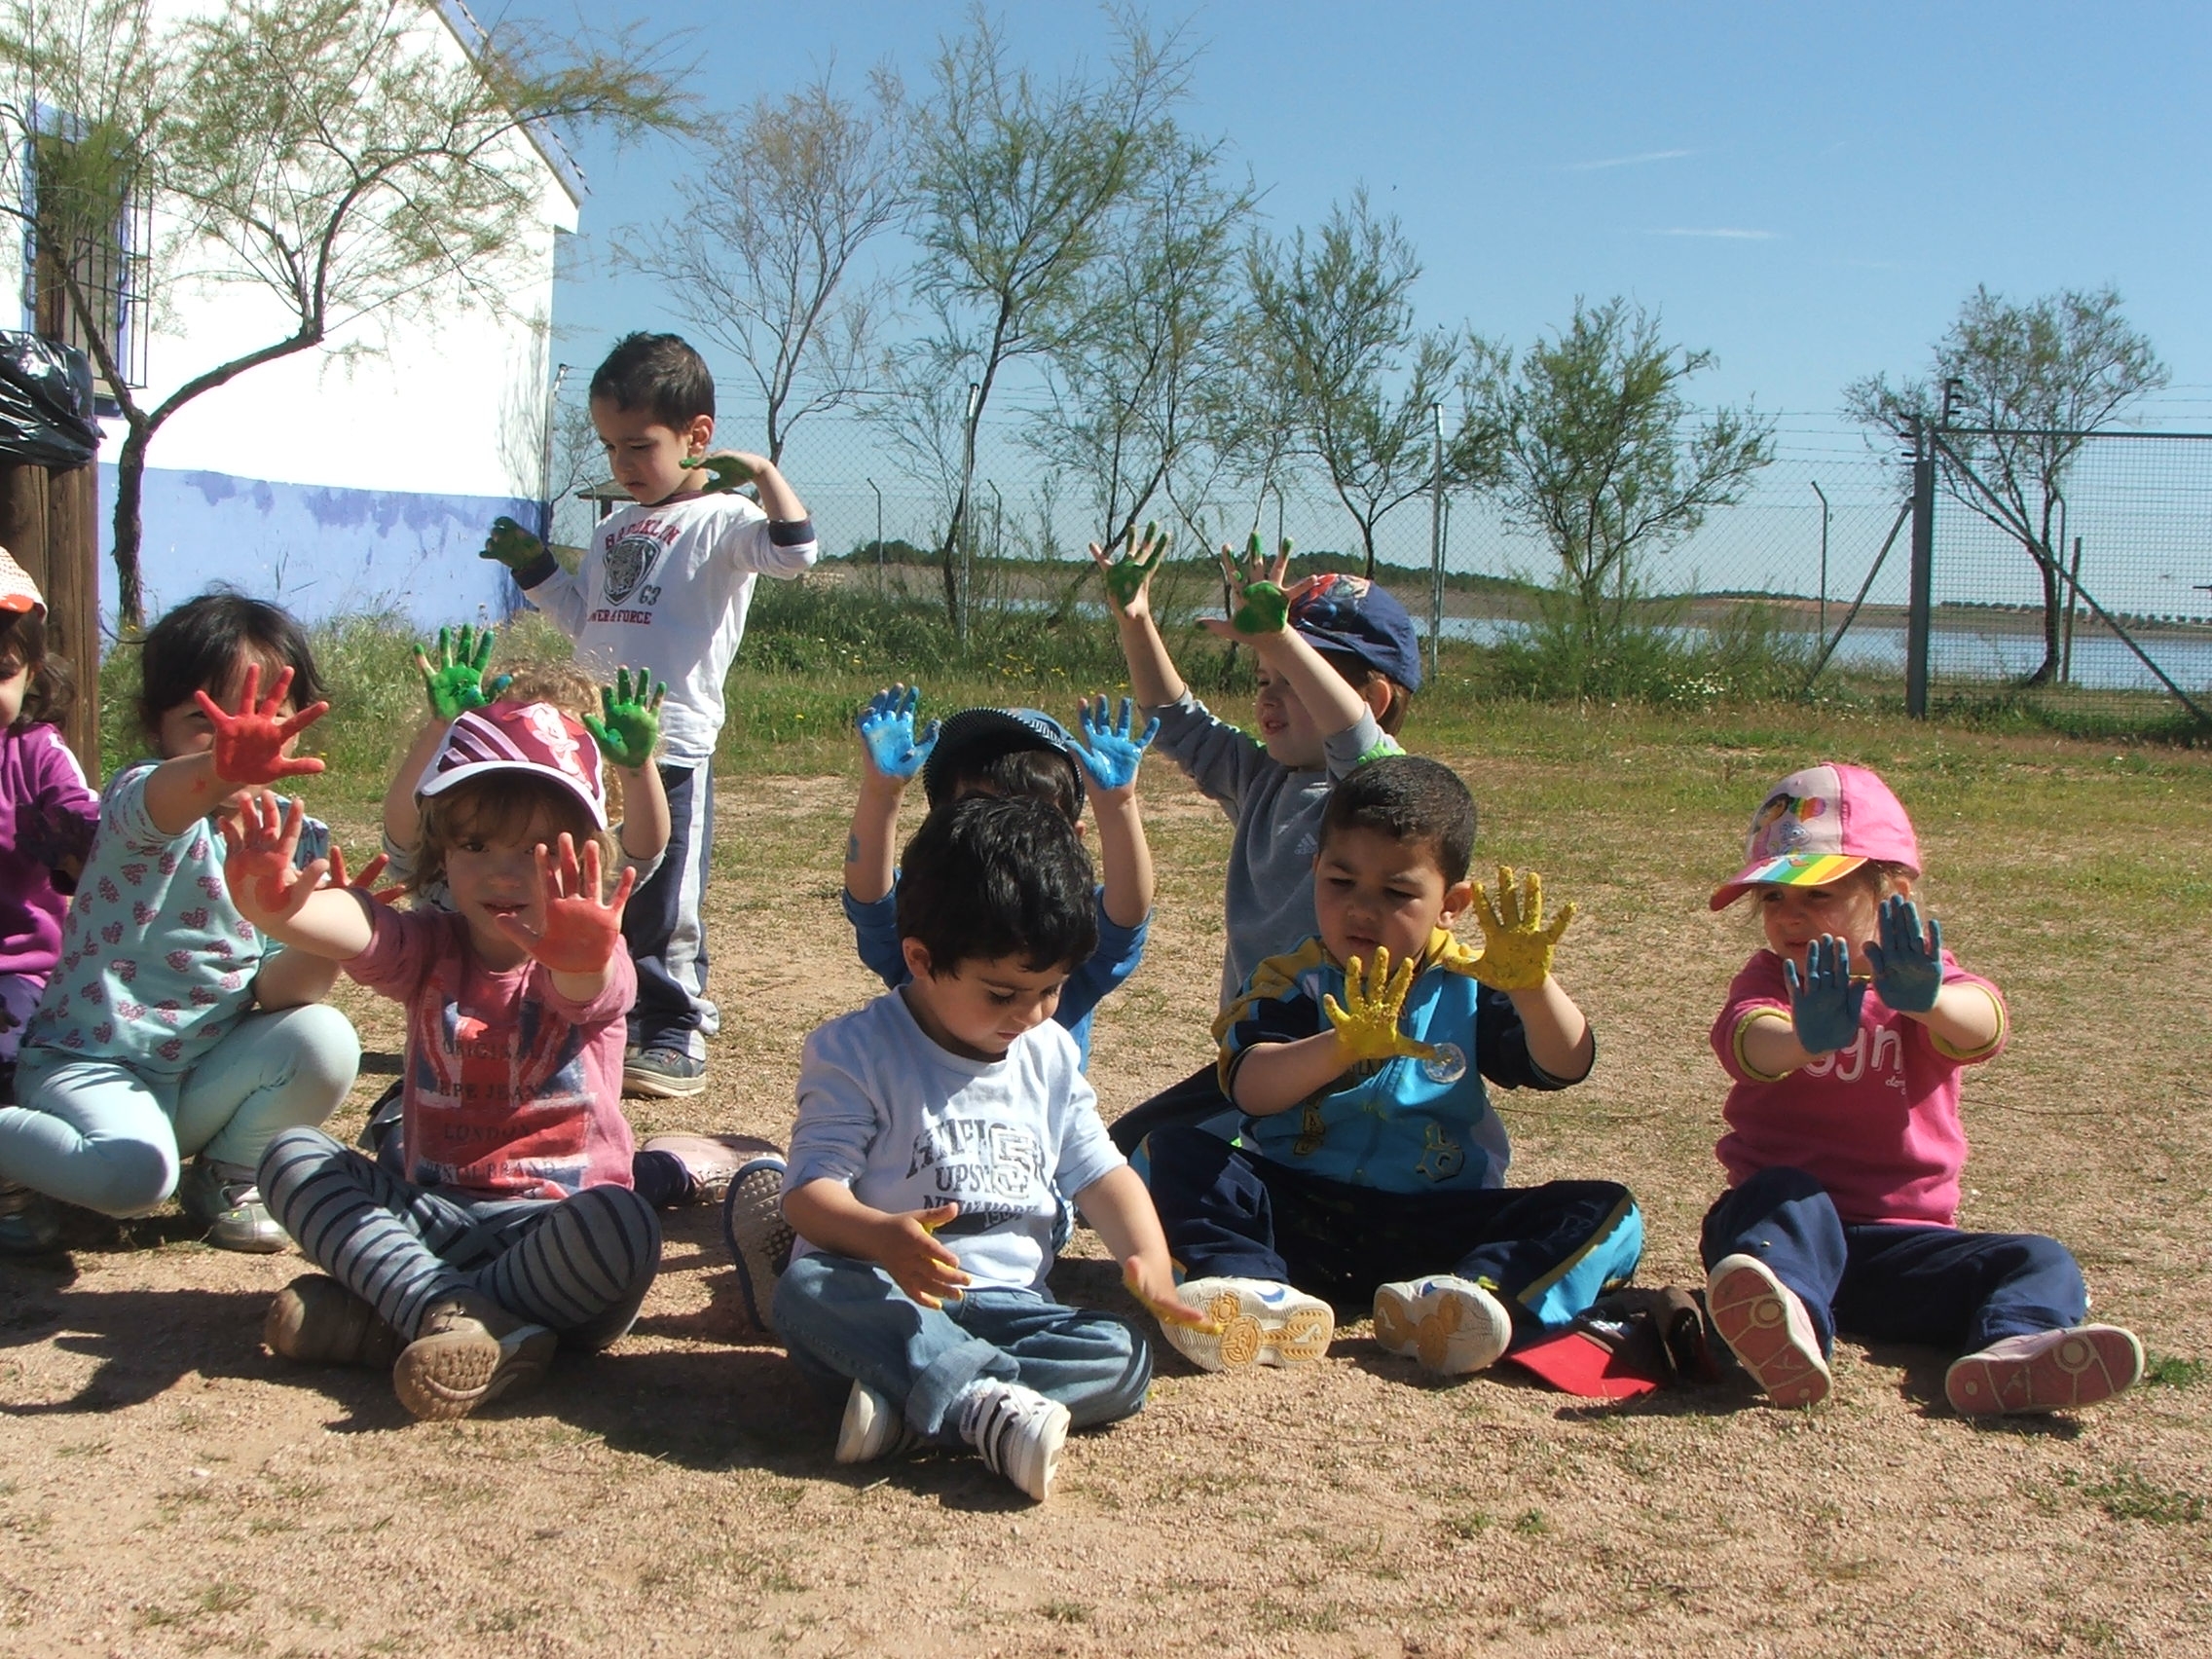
[{"x": 88, "y": 223}]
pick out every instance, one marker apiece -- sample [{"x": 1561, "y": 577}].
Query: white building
[{"x": 359, "y": 475}]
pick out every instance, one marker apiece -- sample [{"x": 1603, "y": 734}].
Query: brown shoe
[
  {"x": 317, "y": 1321},
  {"x": 467, "y": 1352},
  {"x": 712, "y": 1160}
]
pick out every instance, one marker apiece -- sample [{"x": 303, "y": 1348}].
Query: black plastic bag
[{"x": 46, "y": 402}]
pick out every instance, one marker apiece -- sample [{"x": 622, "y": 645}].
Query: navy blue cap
[
  {"x": 972, "y": 736},
  {"x": 1351, "y": 613}
]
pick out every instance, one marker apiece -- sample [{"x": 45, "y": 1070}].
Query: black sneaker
[{"x": 667, "y": 1074}]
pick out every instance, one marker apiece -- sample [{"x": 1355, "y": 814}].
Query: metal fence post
[
  {"x": 1917, "y": 617},
  {"x": 1436, "y": 542}
]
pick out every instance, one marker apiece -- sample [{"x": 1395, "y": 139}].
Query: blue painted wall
[{"x": 319, "y": 552}]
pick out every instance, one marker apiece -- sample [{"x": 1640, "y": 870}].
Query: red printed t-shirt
[
  {"x": 512, "y": 1090},
  {"x": 1876, "y": 1124}
]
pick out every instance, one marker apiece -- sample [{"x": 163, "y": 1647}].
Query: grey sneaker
[
  {"x": 872, "y": 1427},
  {"x": 29, "y": 1224},
  {"x": 710, "y": 1162},
  {"x": 317, "y": 1321},
  {"x": 1017, "y": 1430},
  {"x": 467, "y": 1352},
  {"x": 758, "y": 1238},
  {"x": 226, "y": 1198},
  {"x": 665, "y": 1074}
]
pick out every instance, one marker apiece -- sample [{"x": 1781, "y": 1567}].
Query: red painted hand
[
  {"x": 581, "y": 933},
  {"x": 249, "y": 745},
  {"x": 258, "y": 867},
  {"x": 392, "y": 894}
]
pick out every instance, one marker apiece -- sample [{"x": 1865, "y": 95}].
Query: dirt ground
[{"x": 170, "y": 1487}]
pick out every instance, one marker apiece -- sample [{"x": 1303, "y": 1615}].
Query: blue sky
[{"x": 1808, "y": 191}]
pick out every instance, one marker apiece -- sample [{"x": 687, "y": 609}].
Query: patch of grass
[
  {"x": 1532, "y": 1524},
  {"x": 2171, "y": 1371},
  {"x": 2129, "y": 1497},
  {"x": 224, "y": 1597},
  {"x": 1065, "y": 1612}
]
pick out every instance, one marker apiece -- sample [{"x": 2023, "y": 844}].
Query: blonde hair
[{"x": 501, "y": 806}]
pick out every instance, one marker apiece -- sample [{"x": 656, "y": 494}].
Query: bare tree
[
  {"x": 2028, "y": 384},
  {"x": 762, "y": 260},
  {"x": 1336, "y": 330},
  {"x": 1018, "y": 183},
  {"x": 332, "y": 155},
  {"x": 1600, "y": 451}
]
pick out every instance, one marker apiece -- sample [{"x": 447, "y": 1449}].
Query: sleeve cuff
[
  {"x": 790, "y": 533},
  {"x": 538, "y": 571}
]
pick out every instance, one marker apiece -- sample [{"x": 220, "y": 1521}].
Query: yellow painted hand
[
  {"x": 1161, "y": 1301},
  {"x": 1368, "y": 1028},
  {"x": 1517, "y": 946}
]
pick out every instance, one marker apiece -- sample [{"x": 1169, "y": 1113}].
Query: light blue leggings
[{"x": 99, "y": 1133}]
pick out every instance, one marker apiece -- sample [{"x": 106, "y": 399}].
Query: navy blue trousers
[
  {"x": 1891, "y": 1282},
  {"x": 664, "y": 929},
  {"x": 1549, "y": 1251},
  {"x": 1194, "y": 1100}
]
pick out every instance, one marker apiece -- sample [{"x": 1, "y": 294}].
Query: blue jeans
[
  {"x": 99, "y": 1133},
  {"x": 1892, "y": 1282},
  {"x": 844, "y": 1319}
]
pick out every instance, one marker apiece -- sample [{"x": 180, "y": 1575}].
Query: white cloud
[
  {"x": 1626, "y": 160},
  {"x": 1719, "y": 233}
]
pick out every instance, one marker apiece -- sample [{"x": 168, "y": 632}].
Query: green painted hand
[
  {"x": 1130, "y": 575},
  {"x": 512, "y": 546},
  {"x": 1517, "y": 946},
  {"x": 454, "y": 682},
  {"x": 1367, "y": 1029},
  {"x": 724, "y": 472},
  {"x": 1266, "y": 608},
  {"x": 632, "y": 727}
]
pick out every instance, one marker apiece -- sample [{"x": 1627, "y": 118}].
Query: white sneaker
[
  {"x": 872, "y": 1427},
  {"x": 2045, "y": 1371},
  {"x": 1766, "y": 1326},
  {"x": 1017, "y": 1431},
  {"x": 1251, "y": 1321},
  {"x": 1451, "y": 1325}
]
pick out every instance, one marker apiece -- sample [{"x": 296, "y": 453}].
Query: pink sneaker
[
  {"x": 1762, "y": 1320},
  {"x": 2045, "y": 1371}
]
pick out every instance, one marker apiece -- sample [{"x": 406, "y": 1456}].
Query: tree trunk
[
  {"x": 2053, "y": 611},
  {"x": 129, "y": 529}
]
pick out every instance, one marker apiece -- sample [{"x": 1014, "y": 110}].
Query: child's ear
[
  {"x": 699, "y": 434},
  {"x": 1457, "y": 897},
  {"x": 1375, "y": 692},
  {"x": 918, "y": 955}
]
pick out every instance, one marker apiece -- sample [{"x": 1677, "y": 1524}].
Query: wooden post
[{"x": 49, "y": 520}]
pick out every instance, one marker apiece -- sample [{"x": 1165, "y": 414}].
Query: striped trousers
[{"x": 580, "y": 1265}]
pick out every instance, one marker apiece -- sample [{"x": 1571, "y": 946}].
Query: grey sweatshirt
[{"x": 1278, "y": 811}]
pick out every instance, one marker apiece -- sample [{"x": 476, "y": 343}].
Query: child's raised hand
[
  {"x": 1262, "y": 607},
  {"x": 1825, "y": 1001},
  {"x": 454, "y": 682},
  {"x": 1128, "y": 578},
  {"x": 581, "y": 932},
  {"x": 632, "y": 727},
  {"x": 260, "y": 848},
  {"x": 918, "y": 1265},
  {"x": 887, "y": 732},
  {"x": 1367, "y": 1020},
  {"x": 511, "y": 545},
  {"x": 725, "y": 469},
  {"x": 1517, "y": 946},
  {"x": 1160, "y": 1299},
  {"x": 249, "y": 745},
  {"x": 1112, "y": 754},
  {"x": 1907, "y": 964},
  {"x": 370, "y": 872}
]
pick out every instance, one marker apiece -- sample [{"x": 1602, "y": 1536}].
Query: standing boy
[
  {"x": 666, "y": 583},
  {"x": 1371, "y": 1165},
  {"x": 943, "y": 1133}
]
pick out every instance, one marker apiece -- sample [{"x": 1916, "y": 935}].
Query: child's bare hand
[
  {"x": 1129, "y": 577},
  {"x": 251, "y": 744},
  {"x": 581, "y": 932},
  {"x": 1158, "y": 1295},
  {"x": 258, "y": 861},
  {"x": 916, "y": 1261}
]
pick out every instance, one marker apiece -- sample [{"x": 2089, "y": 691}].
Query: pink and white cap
[
  {"x": 519, "y": 737},
  {"x": 1817, "y": 826},
  {"x": 18, "y": 592}
]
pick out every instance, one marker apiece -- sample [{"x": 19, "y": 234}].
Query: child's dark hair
[
  {"x": 50, "y": 691},
  {"x": 656, "y": 372},
  {"x": 195, "y": 647},
  {"x": 991, "y": 876},
  {"x": 500, "y": 806},
  {"x": 1039, "y": 774},
  {"x": 1408, "y": 797},
  {"x": 1359, "y": 673}
]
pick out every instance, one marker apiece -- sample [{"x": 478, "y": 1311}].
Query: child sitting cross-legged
[
  {"x": 1370, "y": 1167},
  {"x": 1844, "y": 1146},
  {"x": 942, "y": 1131},
  {"x": 515, "y": 1228}
]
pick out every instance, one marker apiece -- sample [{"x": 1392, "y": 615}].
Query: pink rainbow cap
[
  {"x": 519, "y": 737},
  {"x": 1817, "y": 826}
]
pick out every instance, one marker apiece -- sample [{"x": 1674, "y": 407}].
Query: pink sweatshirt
[{"x": 1876, "y": 1124}]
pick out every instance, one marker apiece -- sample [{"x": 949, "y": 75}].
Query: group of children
[{"x": 550, "y": 830}]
